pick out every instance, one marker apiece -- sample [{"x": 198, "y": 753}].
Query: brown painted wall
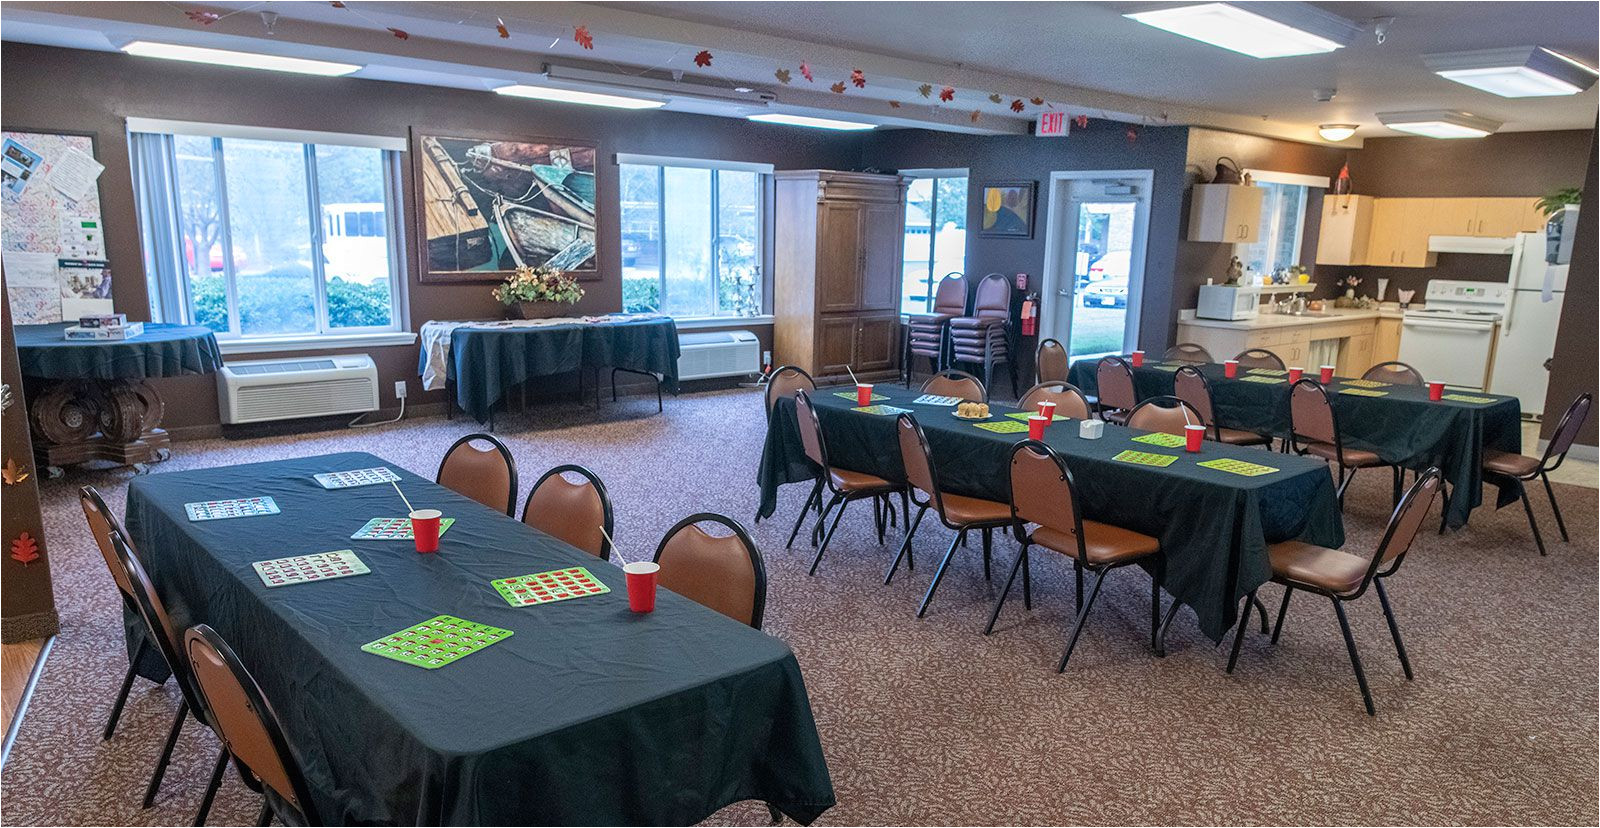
[
  {"x": 48, "y": 88},
  {"x": 1575, "y": 364}
]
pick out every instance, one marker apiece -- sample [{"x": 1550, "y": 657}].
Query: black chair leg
[
  {"x": 1444, "y": 510},
  {"x": 1551, "y": 493},
  {"x": 1533, "y": 524},
  {"x": 166, "y": 754},
  {"x": 1166, "y": 623},
  {"x": 815, "y": 496},
  {"x": 1083, "y": 615},
  {"x": 828, "y": 537},
  {"x": 1244, "y": 622},
  {"x": 1355, "y": 658},
  {"x": 122, "y": 694},
  {"x": 265, "y": 817},
  {"x": 1077, "y": 574},
  {"x": 988, "y": 546},
  {"x": 1394, "y": 629},
  {"x": 905, "y": 546},
  {"x": 938, "y": 574},
  {"x": 1283, "y": 609},
  {"x": 1262, "y": 609},
  {"x": 1001, "y": 601},
  {"x": 774, "y": 813},
  {"x": 1344, "y": 483},
  {"x": 1155, "y": 607},
  {"x": 211, "y": 789},
  {"x": 1398, "y": 475},
  {"x": 1027, "y": 584},
  {"x": 877, "y": 517}
]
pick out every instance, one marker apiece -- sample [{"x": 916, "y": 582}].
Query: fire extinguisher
[{"x": 1030, "y": 314}]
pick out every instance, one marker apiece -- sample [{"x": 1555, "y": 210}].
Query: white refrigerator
[{"x": 1528, "y": 331}]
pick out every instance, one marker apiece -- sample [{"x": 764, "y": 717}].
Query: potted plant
[
  {"x": 1554, "y": 202},
  {"x": 538, "y": 292}
]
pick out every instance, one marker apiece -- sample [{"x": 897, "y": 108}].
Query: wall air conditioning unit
[
  {"x": 256, "y": 391},
  {"x": 718, "y": 354}
]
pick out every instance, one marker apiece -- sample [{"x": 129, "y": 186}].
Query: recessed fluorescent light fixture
[
  {"x": 1267, "y": 30},
  {"x": 243, "y": 60},
  {"x": 1520, "y": 72},
  {"x": 1336, "y": 132},
  {"x": 547, "y": 93},
  {"x": 808, "y": 121},
  {"x": 1439, "y": 123}
]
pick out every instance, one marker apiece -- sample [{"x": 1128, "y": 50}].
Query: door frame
[{"x": 1059, "y": 237}]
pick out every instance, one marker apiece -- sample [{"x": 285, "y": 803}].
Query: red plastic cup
[
  {"x": 863, "y": 398},
  {"x": 1436, "y": 391},
  {"x": 1047, "y": 410},
  {"x": 1295, "y": 374},
  {"x": 1137, "y": 358},
  {"x": 1192, "y": 435},
  {"x": 1036, "y": 425},
  {"x": 1327, "y": 374},
  {"x": 425, "y": 529},
  {"x": 642, "y": 584},
  {"x": 1230, "y": 368}
]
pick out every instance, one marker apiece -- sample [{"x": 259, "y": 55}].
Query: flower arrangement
[
  {"x": 538, "y": 284},
  {"x": 1351, "y": 282}
]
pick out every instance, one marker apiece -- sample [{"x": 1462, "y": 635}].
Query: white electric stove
[{"x": 1452, "y": 338}]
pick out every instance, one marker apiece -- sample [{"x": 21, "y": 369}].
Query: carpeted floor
[{"x": 930, "y": 722}]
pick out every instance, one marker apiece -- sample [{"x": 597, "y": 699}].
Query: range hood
[{"x": 1471, "y": 244}]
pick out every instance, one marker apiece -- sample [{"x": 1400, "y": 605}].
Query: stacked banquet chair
[
  {"x": 984, "y": 337},
  {"x": 928, "y": 334}
]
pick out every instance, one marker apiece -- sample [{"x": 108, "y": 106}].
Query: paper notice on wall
[
  {"x": 18, "y": 165},
  {"x": 30, "y": 270},
  {"x": 73, "y": 172},
  {"x": 80, "y": 238}
]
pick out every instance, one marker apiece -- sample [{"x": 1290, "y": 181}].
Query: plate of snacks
[{"x": 971, "y": 411}]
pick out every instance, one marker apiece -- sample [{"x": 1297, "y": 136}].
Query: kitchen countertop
[{"x": 1282, "y": 320}]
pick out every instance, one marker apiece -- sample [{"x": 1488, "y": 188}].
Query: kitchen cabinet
[
  {"x": 1351, "y": 342},
  {"x": 1355, "y": 355},
  {"x": 1386, "y": 340},
  {"x": 1346, "y": 229},
  {"x": 1494, "y": 218},
  {"x": 1227, "y": 213},
  {"x": 1400, "y": 231}
]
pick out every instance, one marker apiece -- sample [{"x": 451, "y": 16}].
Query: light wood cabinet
[
  {"x": 1346, "y": 229},
  {"x": 1228, "y": 213},
  {"x": 1386, "y": 340},
  {"x": 1393, "y": 232},
  {"x": 1493, "y": 218},
  {"x": 1355, "y": 355},
  {"x": 836, "y": 271},
  {"x": 1359, "y": 341},
  {"x": 1400, "y": 231}
]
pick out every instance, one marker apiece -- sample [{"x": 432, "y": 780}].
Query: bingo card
[
  {"x": 1145, "y": 458},
  {"x": 393, "y": 529},
  {"x": 301, "y": 569},
  {"x": 235, "y": 508},
  {"x": 436, "y": 642},
  {"x": 359, "y": 477},
  {"x": 545, "y": 587}
]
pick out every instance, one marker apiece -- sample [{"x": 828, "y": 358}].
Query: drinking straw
[
  {"x": 614, "y": 549},
  {"x": 397, "y": 491},
  {"x": 852, "y": 375}
]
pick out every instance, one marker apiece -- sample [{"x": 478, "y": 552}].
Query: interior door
[
  {"x": 877, "y": 343},
  {"x": 1098, "y": 269},
  {"x": 838, "y": 257},
  {"x": 836, "y": 344},
  {"x": 881, "y": 236}
]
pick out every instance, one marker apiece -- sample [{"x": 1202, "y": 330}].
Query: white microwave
[{"x": 1228, "y": 302}]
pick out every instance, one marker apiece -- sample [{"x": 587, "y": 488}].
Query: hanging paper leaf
[
  {"x": 703, "y": 59},
  {"x": 838, "y": 88},
  {"x": 500, "y": 26},
  {"x": 1036, "y": 101},
  {"x": 1016, "y": 105},
  {"x": 857, "y": 78},
  {"x": 947, "y": 94},
  {"x": 583, "y": 38},
  {"x": 994, "y": 97},
  {"x": 975, "y": 115},
  {"x": 336, "y": 4},
  {"x": 12, "y": 473},
  {"x": 805, "y": 71},
  {"x": 1133, "y": 134},
  {"x": 782, "y": 75},
  {"x": 204, "y": 18},
  {"x": 25, "y": 549},
  {"x": 400, "y": 33},
  {"x": 1081, "y": 121},
  {"x": 925, "y": 90},
  {"x": 894, "y": 104}
]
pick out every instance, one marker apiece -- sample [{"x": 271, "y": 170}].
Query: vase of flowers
[{"x": 538, "y": 292}]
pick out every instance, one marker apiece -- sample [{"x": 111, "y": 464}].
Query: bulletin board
[{"x": 51, "y": 233}]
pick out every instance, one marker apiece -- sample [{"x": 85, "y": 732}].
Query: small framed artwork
[{"x": 1007, "y": 210}]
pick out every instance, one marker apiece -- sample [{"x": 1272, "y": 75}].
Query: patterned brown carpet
[{"x": 929, "y": 722}]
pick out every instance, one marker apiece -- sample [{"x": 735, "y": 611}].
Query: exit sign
[{"x": 1051, "y": 125}]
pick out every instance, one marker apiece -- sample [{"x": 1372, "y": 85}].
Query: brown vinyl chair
[
  {"x": 1187, "y": 352},
  {"x": 1394, "y": 373},
  {"x": 844, "y": 485},
  {"x": 1260, "y": 358},
  {"x": 1341, "y": 576},
  {"x": 1043, "y": 494},
  {"x": 1314, "y": 430},
  {"x": 250, "y": 730},
  {"x": 953, "y": 383},
  {"x": 487, "y": 475},
  {"x": 1168, "y": 415},
  {"x": 1191, "y": 386},
  {"x": 1114, "y": 381},
  {"x": 1050, "y": 362},
  {"x": 724, "y": 573},
  {"x": 577, "y": 513},
  {"x": 1070, "y": 402},
  {"x": 958, "y": 512},
  {"x": 984, "y": 337},
  {"x": 103, "y": 525},
  {"x": 784, "y": 382},
  {"x": 928, "y": 334},
  {"x": 1520, "y": 469}
]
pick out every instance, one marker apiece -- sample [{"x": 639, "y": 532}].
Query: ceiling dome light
[
  {"x": 1336, "y": 132},
  {"x": 1519, "y": 72},
  {"x": 1439, "y": 123}
]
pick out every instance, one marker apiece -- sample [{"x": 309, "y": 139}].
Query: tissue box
[
  {"x": 128, "y": 331},
  {"x": 1091, "y": 429}
]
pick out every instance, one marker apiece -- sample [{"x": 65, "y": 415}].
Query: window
[
  {"x": 1283, "y": 214},
  {"x": 256, "y": 238},
  {"x": 691, "y": 237},
  {"x": 936, "y": 234}
]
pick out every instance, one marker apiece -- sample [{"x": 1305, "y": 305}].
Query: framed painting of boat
[{"x": 487, "y": 206}]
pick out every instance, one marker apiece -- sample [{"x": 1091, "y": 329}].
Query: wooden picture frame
[
  {"x": 1007, "y": 209},
  {"x": 485, "y": 204}
]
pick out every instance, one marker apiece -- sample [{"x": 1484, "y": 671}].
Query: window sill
[
  {"x": 314, "y": 342},
  {"x": 689, "y": 323}
]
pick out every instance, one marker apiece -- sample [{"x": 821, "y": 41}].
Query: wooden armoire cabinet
[{"x": 836, "y": 282}]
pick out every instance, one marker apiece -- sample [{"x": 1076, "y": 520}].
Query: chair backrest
[
  {"x": 103, "y": 525},
  {"x": 724, "y": 572},
  {"x": 1070, "y": 402},
  {"x": 993, "y": 299},
  {"x": 487, "y": 475},
  {"x": 917, "y": 459},
  {"x": 1042, "y": 490},
  {"x": 784, "y": 382},
  {"x": 245, "y": 721},
  {"x": 810, "y": 431},
  {"x": 1259, "y": 358},
  {"x": 1311, "y": 413},
  {"x": 573, "y": 512},
  {"x": 1050, "y": 363},
  {"x": 950, "y": 298},
  {"x": 1189, "y": 385},
  {"x": 1566, "y": 431},
  {"x": 953, "y": 383},
  {"x": 159, "y": 626},
  {"x": 1394, "y": 373},
  {"x": 1114, "y": 377},
  {"x": 1168, "y": 415},
  {"x": 1404, "y": 523},
  {"x": 1188, "y": 352}
]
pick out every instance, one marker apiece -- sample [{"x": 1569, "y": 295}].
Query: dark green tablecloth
[
  {"x": 485, "y": 363},
  {"x": 1403, "y": 427},
  {"x": 161, "y": 351},
  {"x": 589, "y": 714},
  {"x": 1214, "y": 526}
]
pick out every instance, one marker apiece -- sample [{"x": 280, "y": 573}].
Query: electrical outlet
[{"x": 399, "y": 389}]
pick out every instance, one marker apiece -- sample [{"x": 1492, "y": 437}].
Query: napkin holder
[{"x": 1091, "y": 429}]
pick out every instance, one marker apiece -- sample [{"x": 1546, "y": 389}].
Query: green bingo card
[
  {"x": 1161, "y": 439},
  {"x": 1162, "y": 366},
  {"x": 1267, "y": 372},
  {"x": 850, "y": 395},
  {"x": 1002, "y": 426},
  {"x": 1363, "y": 392},
  {"x": 1468, "y": 398},
  {"x": 888, "y": 410},
  {"x": 544, "y": 587},
  {"x": 1364, "y": 383},
  {"x": 1237, "y": 467},
  {"x": 436, "y": 642},
  {"x": 1267, "y": 380},
  {"x": 1145, "y": 458}
]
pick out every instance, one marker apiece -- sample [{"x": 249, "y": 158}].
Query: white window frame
[
  {"x": 1274, "y": 229},
  {"x": 933, "y": 230}
]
